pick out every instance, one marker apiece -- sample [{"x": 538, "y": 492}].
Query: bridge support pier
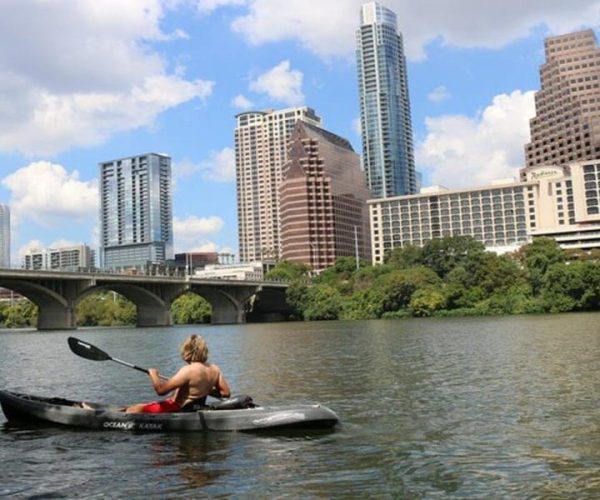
[
  {"x": 56, "y": 317},
  {"x": 153, "y": 315}
]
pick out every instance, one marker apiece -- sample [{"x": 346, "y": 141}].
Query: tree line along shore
[{"x": 452, "y": 276}]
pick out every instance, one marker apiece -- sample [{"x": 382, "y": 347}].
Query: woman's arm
[{"x": 222, "y": 387}]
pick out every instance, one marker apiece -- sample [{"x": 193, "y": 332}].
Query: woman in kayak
[{"x": 194, "y": 381}]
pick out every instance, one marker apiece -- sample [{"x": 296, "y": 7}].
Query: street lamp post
[{"x": 356, "y": 247}]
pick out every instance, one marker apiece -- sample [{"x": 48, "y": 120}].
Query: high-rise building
[
  {"x": 560, "y": 202},
  {"x": 566, "y": 127},
  {"x": 261, "y": 139},
  {"x": 136, "y": 215},
  {"x": 388, "y": 152},
  {"x": 4, "y": 235},
  {"x": 72, "y": 258},
  {"x": 324, "y": 197}
]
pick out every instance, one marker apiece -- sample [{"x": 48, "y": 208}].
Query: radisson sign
[{"x": 544, "y": 173}]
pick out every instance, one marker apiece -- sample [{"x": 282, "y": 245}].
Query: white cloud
[
  {"x": 328, "y": 27},
  {"x": 219, "y": 167},
  {"x": 315, "y": 23},
  {"x": 357, "y": 127},
  {"x": 193, "y": 232},
  {"x": 439, "y": 94},
  {"x": 83, "y": 72},
  {"x": 183, "y": 168},
  {"x": 207, "y": 6},
  {"x": 281, "y": 83},
  {"x": 46, "y": 193},
  {"x": 461, "y": 151},
  {"x": 242, "y": 102}
]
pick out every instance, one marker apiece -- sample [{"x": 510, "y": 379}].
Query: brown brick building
[
  {"x": 323, "y": 198},
  {"x": 566, "y": 127}
]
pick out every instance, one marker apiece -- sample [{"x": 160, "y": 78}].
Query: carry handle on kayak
[{"x": 89, "y": 351}]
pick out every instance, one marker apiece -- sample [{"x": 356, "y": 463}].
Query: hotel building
[
  {"x": 553, "y": 201},
  {"x": 566, "y": 127},
  {"x": 261, "y": 140},
  {"x": 136, "y": 216},
  {"x": 323, "y": 197},
  {"x": 386, "y": 127}
]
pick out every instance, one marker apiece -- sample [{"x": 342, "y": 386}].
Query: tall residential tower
[
  {"x": 566, "y": 127},
  {"x": 136, "y": 215},
  {"x": 388, "y": 155},
  {"x": 261, "y": 141},
  {"x": 4, "y": 235}
]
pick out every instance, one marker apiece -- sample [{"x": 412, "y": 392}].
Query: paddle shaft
[{"x": 139, "y": 368}]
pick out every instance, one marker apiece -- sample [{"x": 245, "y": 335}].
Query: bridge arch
[
  {"x": 54, "y": 310},
  {"x": 227, "y": 301},
  {"x": 152, "y": 309}
]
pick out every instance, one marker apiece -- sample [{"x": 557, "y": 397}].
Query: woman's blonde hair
[{"x": 194, "y": 348}]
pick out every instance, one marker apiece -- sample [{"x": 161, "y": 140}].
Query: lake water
[{"x": 464, "y": 408}]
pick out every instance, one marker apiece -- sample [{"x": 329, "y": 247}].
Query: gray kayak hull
[{"x": 19, "y": 407}]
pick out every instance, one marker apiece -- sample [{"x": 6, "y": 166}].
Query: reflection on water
[{"x": 475, "y": 407}]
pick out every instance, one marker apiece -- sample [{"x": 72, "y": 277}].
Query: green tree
[
  {"x": 398, "y": 286},
  {"x": 105, "y": 309},
  {"x": 288, "y": 271},
  {"x": 515, "y": 300},
  {"x": 488, "y": 271},
  {"x": 443, "y": 255},
  {"x": 405, "y": 257},
  {"x": 590, "y": 300},
  {"x": 323, "y": 302},
  {"x": 363, "y": 304},
  {"x": 21, "y": 314},
  {"x": 367, "y": 277},
  {"x": 191, "y": 309},
  {"x": 537, "y": 257},
  {"x": 296, "y": 297},
  {"x": 426, "y": 301}
]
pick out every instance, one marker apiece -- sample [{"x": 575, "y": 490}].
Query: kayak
[{"x": 237, "y": 413}]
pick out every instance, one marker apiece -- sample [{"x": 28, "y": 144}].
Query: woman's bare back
[{"x": 201, "y": 379}]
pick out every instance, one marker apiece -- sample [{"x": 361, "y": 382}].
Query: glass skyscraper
[
  {"x": 136, "y": 214},
  {"x": 4, "y": 235},
  {"x": 388, "y": 155}
]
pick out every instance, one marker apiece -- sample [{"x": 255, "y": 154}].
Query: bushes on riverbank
[
  {"x": 106, "y": 309},
  {"x": 453, "y": 276}
]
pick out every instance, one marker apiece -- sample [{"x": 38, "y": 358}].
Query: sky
[{"x": 86, "y": 81}]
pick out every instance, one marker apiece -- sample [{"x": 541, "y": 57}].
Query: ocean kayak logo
[{"x": 130, "y": 426}]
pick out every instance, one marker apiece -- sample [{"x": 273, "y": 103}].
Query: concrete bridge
[{"x": 57, "y": 293}]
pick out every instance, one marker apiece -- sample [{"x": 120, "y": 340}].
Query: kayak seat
[
  {"x": 237, "y": 402},
  {"x": 195, "y": 405}
]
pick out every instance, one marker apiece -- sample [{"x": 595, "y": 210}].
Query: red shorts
[{"x": 164, "y": 406}]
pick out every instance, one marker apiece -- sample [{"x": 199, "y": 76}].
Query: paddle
[{"x": 88, "y": 351}]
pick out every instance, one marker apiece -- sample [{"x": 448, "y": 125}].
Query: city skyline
[{"x": 93, "y": 82}]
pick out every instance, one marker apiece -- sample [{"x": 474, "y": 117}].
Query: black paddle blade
[{"x": 87, "y": 351}]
